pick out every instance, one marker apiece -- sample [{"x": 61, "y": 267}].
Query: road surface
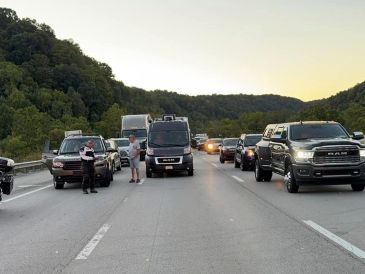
[{"x": 219, "y": 221}]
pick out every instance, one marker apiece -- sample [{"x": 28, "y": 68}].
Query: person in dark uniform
[{"x": 88, "y": 169}]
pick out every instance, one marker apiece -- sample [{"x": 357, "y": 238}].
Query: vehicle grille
[
  {"x": 336, "y": 155},
  {"x": 75, "y": 165}
]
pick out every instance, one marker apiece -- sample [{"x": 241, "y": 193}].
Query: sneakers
[
  {"x": 138, "y": 181},
  {"x": 93, "y": 190},
  {"x": 131, "y": 181}
]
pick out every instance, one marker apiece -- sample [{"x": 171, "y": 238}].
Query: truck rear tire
[
  {"x": 289, "y": 179},
  {"x": 357, "y": 187},
  {"x": 236, "y": 164}
]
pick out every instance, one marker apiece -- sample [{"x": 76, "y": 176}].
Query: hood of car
[{"x": 73, "y": 157}]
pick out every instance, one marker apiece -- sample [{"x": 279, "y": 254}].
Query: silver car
[{"x": 123, "y": 149}]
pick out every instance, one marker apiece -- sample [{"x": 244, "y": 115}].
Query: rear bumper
[
  {"x": 186, "y": 164},
  {"x": 329, "y": 174},
  {"x": 228, "y": 155}
]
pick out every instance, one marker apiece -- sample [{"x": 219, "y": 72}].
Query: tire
[
  {"x": 289, "y": 179},
  {"x": 243, "y": 166},
  {"x": 58, "y": 185},
  {"x": 111, "y": 174},
  {"x": 106, "y": 181},
  {"x": 148, "y": 174},
  {"x": 357, "y": 187},
  {"x": 191, "y": 172},
  {"x": 221, "y": 160},
  {"x": 260, "y": 174},
  {"x": 236, "y": 164}
]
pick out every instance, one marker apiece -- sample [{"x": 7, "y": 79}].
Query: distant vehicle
[
  {"x": 245, "y": 151},
  {"x": 168, "y": 147},
  {"x": 198, "y": 139},
  {"x": 137, "y": 125},
  {"x": 212, "y": 145},
  {"x": 201, "y": 135},
  {"x": 66, "y": 162},
  {"x": 123, "y": 149},
  {"x": 227, "y": 149},
  {"x": 311, "y": 153},
  {"x": 116, "y": 161},
  {"x": 73, "y": 133},
  {"x": 201, "y": 143},
  {"x": 6, "y": 176}
]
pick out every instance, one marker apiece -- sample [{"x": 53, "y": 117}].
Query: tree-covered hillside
[{"x": 48, "y": 86}]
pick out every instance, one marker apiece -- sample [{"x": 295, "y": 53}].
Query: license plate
[{"x": 169, "y": 167}]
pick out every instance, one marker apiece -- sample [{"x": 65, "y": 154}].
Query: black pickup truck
[{"x": 311, "y": 153}]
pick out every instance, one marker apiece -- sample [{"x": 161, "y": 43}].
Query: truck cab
[
  {"x": 318, "y": 152},
  {"x": 168, "y": 147}
]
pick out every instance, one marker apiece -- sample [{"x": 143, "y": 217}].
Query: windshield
[
  {"x": 230, "y": 142},
  {"x": 72, "y": 146},
  {"x": 168, "y": 139},
  {"x": 320, "y": 131},
  {"x": 252, "y": 140},
  {"x": 139, "y": 133},
  {"x": 122, "y": 143}
]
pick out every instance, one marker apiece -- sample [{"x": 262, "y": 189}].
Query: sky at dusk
[{"x": 309, "y": 49}]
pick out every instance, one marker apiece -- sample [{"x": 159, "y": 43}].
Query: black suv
[
  {"x": 311, "y": 153},
  {"x": 244, "y": 157}
]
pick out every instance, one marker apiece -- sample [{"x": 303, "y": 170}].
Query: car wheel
[
  {"x": 148, "y": 174},
  {"x": 106, "y": 181},
  {"x": 258, "y": 172},
  {"x": 191, "y": 172},
  {"x": 290, "y": 182},
  {"x": 221, "y": 160},
  {"x": 58, "y": 185},
  {"x": 357, "y": 187},
  {"x": 243, "y": 165},
  {"x": 236, "y": 164},
  {"x": 119, "y": 168}
]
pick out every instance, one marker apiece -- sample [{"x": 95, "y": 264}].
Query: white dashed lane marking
[
  {"x": 238, "y": 179},
  {"x": 88, "y": 249}
]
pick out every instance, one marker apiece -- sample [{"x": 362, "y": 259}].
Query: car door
[
  {"x": 279, "y": 149},
  {"x": 48, "y": 154},
  {"x": 276, "y": 147}
]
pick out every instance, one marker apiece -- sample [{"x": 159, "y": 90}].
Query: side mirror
[
  {"x": 55, "y": 152},
  {"x": 111, "y": 150},
  {"x": 278, "y": 139},
  {"x": 357, "y": 135}
]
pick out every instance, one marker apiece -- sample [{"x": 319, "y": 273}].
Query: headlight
[
  {"x": 362, "y": 154},
  {"x": 210, "y": 146},
  {"x": 10, "y": 162},
  {"x": 150, "y": 151},
  {"x": 57, "y": 165},
  {"x": 187, "y": 150},
  {"x": 250, "y": 153},
  {"x": 303, "y": 155}
]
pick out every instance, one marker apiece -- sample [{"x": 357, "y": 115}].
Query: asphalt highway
[{"x": 218, "y": 221}]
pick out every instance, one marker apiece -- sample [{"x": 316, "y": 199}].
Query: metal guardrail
[{"x": 28, "y": 166}]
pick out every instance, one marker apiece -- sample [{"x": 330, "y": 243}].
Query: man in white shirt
[{"x": 134, "y": 155}]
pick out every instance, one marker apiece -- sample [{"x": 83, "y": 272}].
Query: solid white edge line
[
  {"x": 346, "y": 245},
  {"x": 238, "y": 179},
  {"x": 93, "y": 243},
  {"x": 25, "y": 194}
]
